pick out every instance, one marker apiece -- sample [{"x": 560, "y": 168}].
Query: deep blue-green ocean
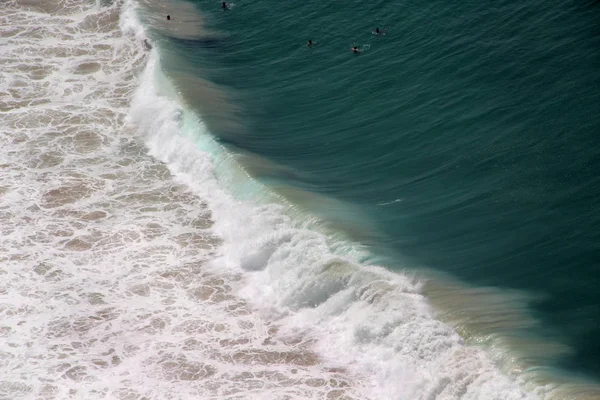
[{"x": 416, "y": 219}]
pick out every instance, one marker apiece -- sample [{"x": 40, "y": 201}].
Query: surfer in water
[
  {"x": 355, "y": 49},
  {"x": 310, "y": 43},
  {"x": 225, "y": 6},
  {"x": 168, "y": 17}
]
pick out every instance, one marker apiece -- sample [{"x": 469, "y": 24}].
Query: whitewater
[{"x": 138, "y": 260}]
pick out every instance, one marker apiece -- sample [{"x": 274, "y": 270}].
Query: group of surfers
[{"x": 354, "y": 49}]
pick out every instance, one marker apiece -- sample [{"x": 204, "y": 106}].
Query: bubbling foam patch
[{"x": 105, "y": 289}]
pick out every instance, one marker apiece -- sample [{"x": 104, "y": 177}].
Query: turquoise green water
[{"x": 464, "y": 141}]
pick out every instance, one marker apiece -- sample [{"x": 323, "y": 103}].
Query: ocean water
[{"x": 208, "y": 208}]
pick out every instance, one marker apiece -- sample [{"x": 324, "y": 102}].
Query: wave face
[{"x": 169, "y": 233}]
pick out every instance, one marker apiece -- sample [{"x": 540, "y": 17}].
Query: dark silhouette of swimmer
[
  {"x": 310, "y": 43},
  {"x": 225, "y": 6},
  {"x": 377, "y": 31},
  {"x": 355, "y": 49},
  {"x": 168, "y": 17}
]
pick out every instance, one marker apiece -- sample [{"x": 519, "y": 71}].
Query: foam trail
[{"x": 105, "y": 292}]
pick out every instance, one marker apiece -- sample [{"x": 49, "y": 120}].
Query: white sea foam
[{"x": 104, "y": 290}]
